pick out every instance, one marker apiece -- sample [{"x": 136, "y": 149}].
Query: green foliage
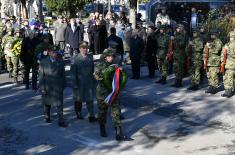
[
  {"x": 143, "y": 1},
  {"x": 66, "y": 7}
]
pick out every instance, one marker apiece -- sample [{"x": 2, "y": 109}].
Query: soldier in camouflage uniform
[
  {"x": 162, "y": 47},
  {"x": 16, "y": 50},
  {"x": 211, "y": 57},
  {"x": 2, "y": 33},
  {"x": 102, "y": 92},
  {"x": 204, "y": 37},
  {"x": 7, "y": 42},
  {"x": 228, "y": 55},
  {"x": 179, "y": 55},
  {"x": 194, "y": 51}
]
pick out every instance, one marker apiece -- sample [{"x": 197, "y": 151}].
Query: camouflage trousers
[
  {"x": 178, "y": 69},
  {"x": 115, "y": 112},
  {"x": 229, "y": 79},
  {"x": 162, "y": 66},
  {"x": 14, "y": 66},
  {"x": 195, "y": 75},
  {"x": 127, "y": 59},
  {"x": 213, "y": 76}
]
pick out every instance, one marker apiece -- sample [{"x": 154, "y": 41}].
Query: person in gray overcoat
[
  {"x": 52, "y": 83},
  {"x": 83, "y": 81}
]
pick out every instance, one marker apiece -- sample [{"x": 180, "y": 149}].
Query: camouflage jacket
[
  {"x": 101, "y": 91},
  {"x": 179, "y": 53},
  {"x": 214, "y": 52},
  {"x": 162, "y": 45},
  {"x": 230, "y": 61},
  {"x": 2, "y": 30},
  {"x": 197, "y": 49},
  {"x": 7, "y": 43}
]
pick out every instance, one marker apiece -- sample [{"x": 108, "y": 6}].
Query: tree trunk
[
  {"x": 133, "y": 9},
  {"x": 24, "y": 9}
]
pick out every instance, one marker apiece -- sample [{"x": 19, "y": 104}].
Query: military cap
[
  {"x": 9, "y": 29},
  {"x": 17, "y": 30},
  {"x": 195, "y": 30},
  {"x": 232, "y": 34},
  {"x": 213, "y": 31},
  {"x": 180, "y": 26},
  {"x": 108, "y": 52},
  {"x": 83, "y": 44},
  {"x": 12, "y": 18},
  {"x": 163, "y": 27},
  {"x": 164, "y": 8}
]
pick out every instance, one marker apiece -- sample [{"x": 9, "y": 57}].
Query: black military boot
[
  {"x": 10, "y": 75},
  {"x": 163, "y": 80},
  {"x": 208, "y": 90},
  {"x": 92, "y": 119},
  {"x": 211, "y": 90},
  {"x": 47, "y": 109},
  {"x": 78, "y": 109},
  {"x": 119, "y": 134},
  {"x": 193, "y": 87},
  {"x": 196, "y": 87},
  {"x": 16, "y": 80},
  {"x": 103, "y": 131},
  {"x": 122, "y": 117},
  {"x": 159, "y": 81},
  {"x": 228, "y": 93},
  {"x": 62, "y": 124},
  {"x": 177, "y": 84},
  {"x": 214, "y": 90},
  {"x": 26, "y": 85}
]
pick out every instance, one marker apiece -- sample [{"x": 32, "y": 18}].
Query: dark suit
[
  {"x": 27, "y": 56},
  {"x": 73, "y": 38},
  {"x": 136, "y": 49},
  {"x": 100, "y": 36},
  {"x": 150, "y": 51}
]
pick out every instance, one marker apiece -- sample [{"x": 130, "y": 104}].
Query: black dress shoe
[
  {"x": 79, "y": 116},
  {"x": 48, "y": 120},
  {"x": 63, "y": 124},
  {"x": 92, "y": 119}
]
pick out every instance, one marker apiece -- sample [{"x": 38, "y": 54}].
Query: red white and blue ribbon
[{"x": 115, "y": 86}]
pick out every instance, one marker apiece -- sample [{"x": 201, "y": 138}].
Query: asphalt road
[{"x": 161, "y": 120}]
